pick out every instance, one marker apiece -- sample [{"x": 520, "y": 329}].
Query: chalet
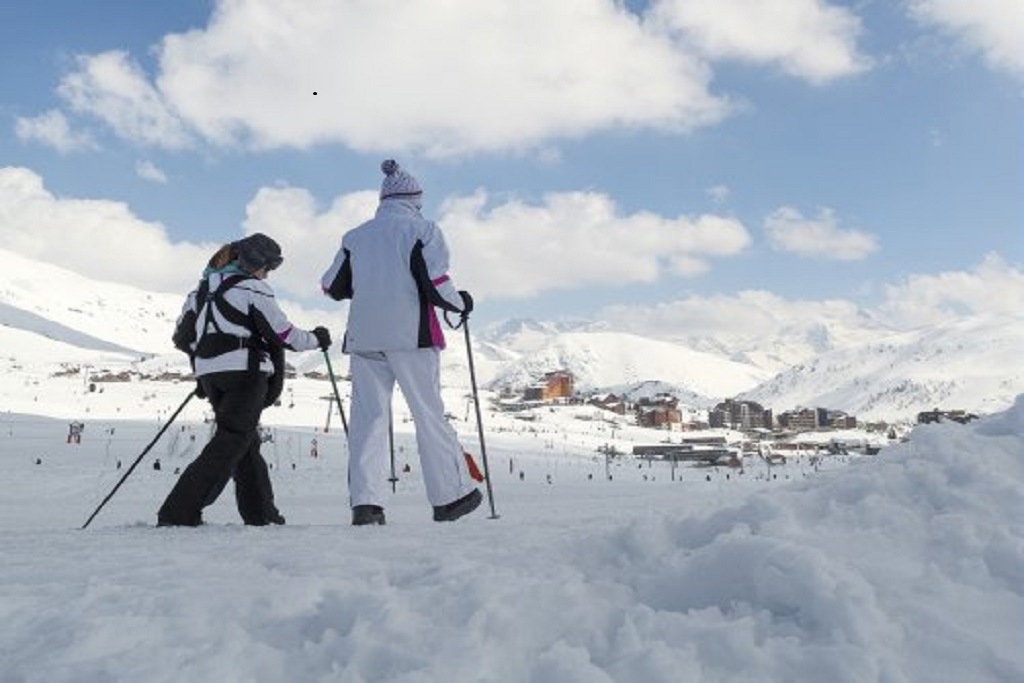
[
  {"x": 554, "y": 386},
  {"x": 558, "y": 385},
  {"x": 660, "y": 412},
  {"x": 611, "y": 402}
]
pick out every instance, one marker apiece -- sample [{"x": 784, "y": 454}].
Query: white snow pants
[{"x": 445, "y": 473}]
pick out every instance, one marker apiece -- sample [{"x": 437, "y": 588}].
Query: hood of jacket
[{"x": 400, "y": 206}]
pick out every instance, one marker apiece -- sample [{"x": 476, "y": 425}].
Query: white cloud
[
  {"x": 491, "y": 76},
  {"x": 104, "y": 240},
  {"x": 53, "y": 130},
  {"x": 995, "y": 28},
  {"x": 575, "y": 240},
  {"x": 788, "y": 230},
  {"x": 497, "y": 75},
  {"x": 743, "y": 320},
  {"x": 719, "y": 193},
  {"x": 512, "y": 250},
  {"x": 749, "y": 314},
  {"x": 97, "y": 238},
  {"x": 114, "y": 89},
  {"x": 150, "y": 171},
  {"x": 994, "y": 287},
  {"x": 308, "y": 238},
  {"x": 809, "y": 39}
]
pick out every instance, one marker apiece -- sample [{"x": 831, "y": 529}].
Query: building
[
  {"x": 553, "y": 386},
  {"x": 660, "y": 412},
  {"x": 837, "y": 419},
  {"x": 936, "y": 416},
  {"x": 558, "y": 385},
  {"x": 804, "y": 419},
  {"x": 611, "y": 402},
  {"x": 740, "y": 415},
  {"x": 811, "y": 419}
]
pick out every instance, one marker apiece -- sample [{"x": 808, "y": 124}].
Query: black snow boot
[
  {"x": 167, "y": 520},
  {"x": 274, "y": 517},
  {"x": 462, "y": 506},
  {"x": 367, "y": 514}
]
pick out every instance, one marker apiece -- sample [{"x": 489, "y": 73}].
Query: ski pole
[
  {"x": 391, "y": 445},
  {"x": 479, "y": 416},
  {"x": 337, "y": 396},
  {"x": 141, "y": 456}
]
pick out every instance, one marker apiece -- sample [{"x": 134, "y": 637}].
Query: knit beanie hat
[
  {"x": 258, "y": 251},
  {"x": 397, "y": 183}
]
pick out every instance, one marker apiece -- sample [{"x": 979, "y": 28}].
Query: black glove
[
  {"x": 323, "y": 337},
  {"x": 467, "y": 303}
]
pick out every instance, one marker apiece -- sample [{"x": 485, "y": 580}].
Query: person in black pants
[{"x": 235, "y": 335}]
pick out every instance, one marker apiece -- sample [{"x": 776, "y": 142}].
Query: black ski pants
[{"x": 233, "y": 452}]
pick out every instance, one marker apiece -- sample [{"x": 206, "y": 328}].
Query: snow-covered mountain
[
  {"x": 59, "y": 304},
  {"x": 974, "y": 364},
  {"x": 523, "y": 335},
  {"x": 617, "y": 361},
  {"x": 792, "y": 345},
  {"x": 865, "y": 369},
  {"x": 51, "y": 318}
]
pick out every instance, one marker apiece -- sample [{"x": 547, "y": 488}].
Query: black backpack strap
[
  {"x": 261, "y": 342},
  {"x": 230, "y": 313},
  {"x": 218, "y": 342}
]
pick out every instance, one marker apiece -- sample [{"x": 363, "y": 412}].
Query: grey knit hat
[{"x": 397, "y": 182}]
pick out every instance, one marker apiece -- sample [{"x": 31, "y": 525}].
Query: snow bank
[{"x": 908, "y": 567}]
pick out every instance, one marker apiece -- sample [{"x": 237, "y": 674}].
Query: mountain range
[{"x": 51, "y": 318}]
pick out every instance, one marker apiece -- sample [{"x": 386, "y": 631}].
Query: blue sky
[{"x": 664, "y": 166}]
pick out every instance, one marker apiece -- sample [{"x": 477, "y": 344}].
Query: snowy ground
[{"x": 907, "y": 566}]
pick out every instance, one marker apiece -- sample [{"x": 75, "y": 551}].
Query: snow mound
[{"x": 874, "y": 573}]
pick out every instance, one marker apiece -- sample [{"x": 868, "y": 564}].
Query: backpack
[{"x": 261, "y": 341}]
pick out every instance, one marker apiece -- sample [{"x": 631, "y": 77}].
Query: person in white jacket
[
  {"x": 394, "y": 268},
  {"x": 235, "y": 335}
]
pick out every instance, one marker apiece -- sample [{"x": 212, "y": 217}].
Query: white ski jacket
[
  {"x": 250, "y": 297},
  {"x": 394, "y": 268}
]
